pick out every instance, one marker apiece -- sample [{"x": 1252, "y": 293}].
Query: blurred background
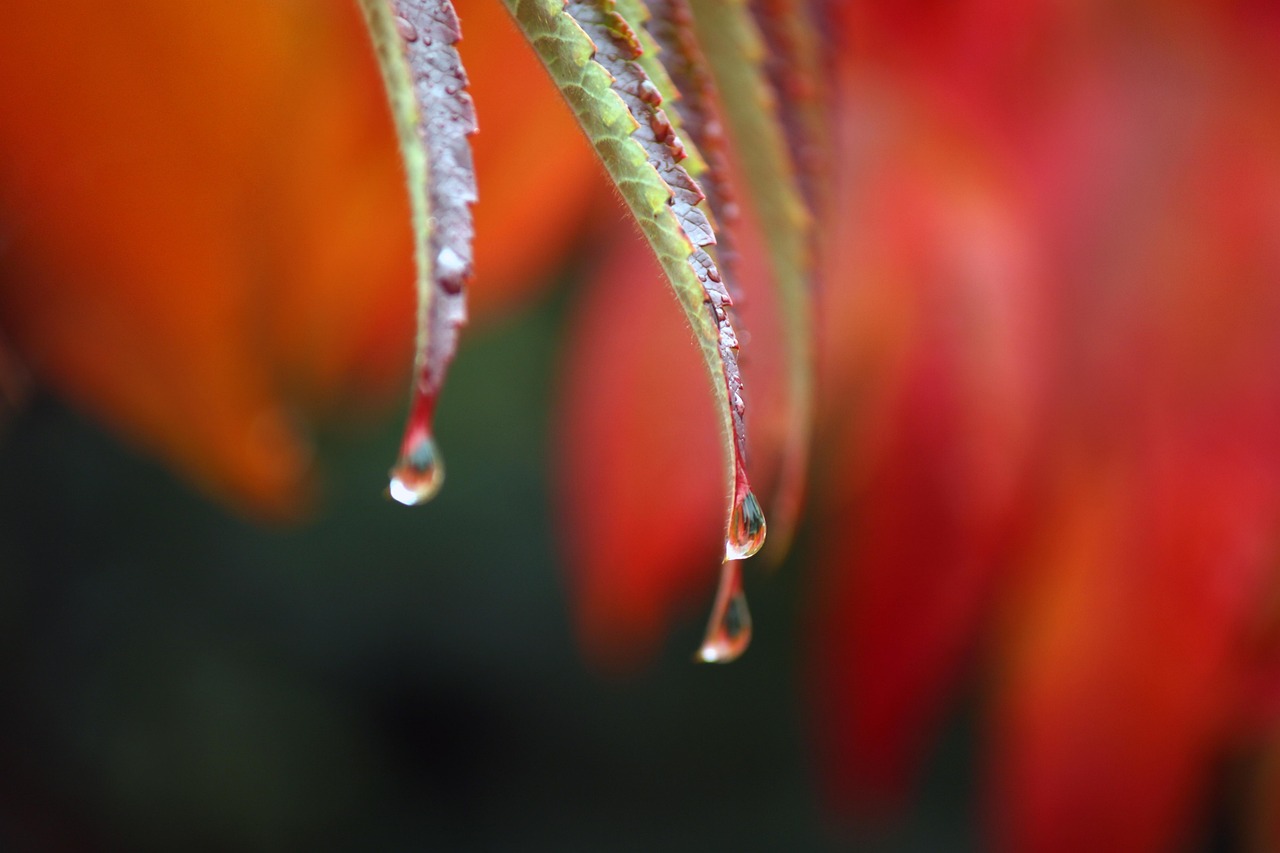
[
  {"x": 1034, "y": 601},
  {"x": 377, "y": 679}
]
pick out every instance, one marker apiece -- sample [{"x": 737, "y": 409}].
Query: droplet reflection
[
  {"x": 419, "y": 473},
  {"x": 746, "y": 529},
  {"x": 729, "y": 628}
]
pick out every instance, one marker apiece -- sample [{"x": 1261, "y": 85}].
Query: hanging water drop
[
  {"x": 746, "y": 528},
  {"x": 419, "y": 472},
  {"x": 729, "y": 628}
]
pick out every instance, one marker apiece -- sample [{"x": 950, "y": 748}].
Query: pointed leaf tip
[
  {"x": 732, "y": 42},
  {"x": 591, "y": 51},
  {"x": 426, "y": 87}
]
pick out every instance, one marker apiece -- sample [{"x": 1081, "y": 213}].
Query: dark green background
[{"x": 380, "y": 678}]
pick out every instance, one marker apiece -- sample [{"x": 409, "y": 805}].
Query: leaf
[
  {"x": 734, "y": 51},
  {"x": 591, "y": 52},
  {"x": 637, "y": 540},
  {"x": 433, "y": 115},
  {"x": 794, "y": 63},
  {"x": 698, "y": 108},
  {"x": 534, "y": 208}
]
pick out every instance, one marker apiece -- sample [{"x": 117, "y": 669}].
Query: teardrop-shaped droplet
[
  {"x": 729, "y": 628},
  {"x": 746, "y": 528},
  {"x": 419, "y": 472}
]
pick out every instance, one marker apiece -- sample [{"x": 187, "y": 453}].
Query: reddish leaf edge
[{"x": 434, "y": 116}]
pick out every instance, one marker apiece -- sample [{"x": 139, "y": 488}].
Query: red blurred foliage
[
  {"x": 1091, "y": 503},
  {"x": 1049, "y": 446},
  {"x": 206, "y": 227},
  {"x": 935, "y": 348}
]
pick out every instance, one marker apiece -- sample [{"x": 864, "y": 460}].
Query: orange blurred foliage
[{"x": 207, "y": 239}]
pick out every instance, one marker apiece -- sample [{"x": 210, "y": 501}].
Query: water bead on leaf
[{"x": 746, "y": 528}]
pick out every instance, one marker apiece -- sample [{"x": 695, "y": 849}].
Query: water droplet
[
  {"x": 406, "y": 29},
  {"x": 451, "y": 270},
  {"x": 729, "y": 628},
  {"x": 419, "y": 473},
  {"x": 746, "y": 529}
]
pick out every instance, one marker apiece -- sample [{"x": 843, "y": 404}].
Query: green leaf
[
  {"x": 734, "y": 50},
  {"x": 433, "y": 114},
  {"x": 591, "y": 53}
]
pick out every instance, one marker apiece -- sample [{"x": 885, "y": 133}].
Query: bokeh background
[
  {"x": 1033, "y": 604},
  {"x": 377, "y": 679}
]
